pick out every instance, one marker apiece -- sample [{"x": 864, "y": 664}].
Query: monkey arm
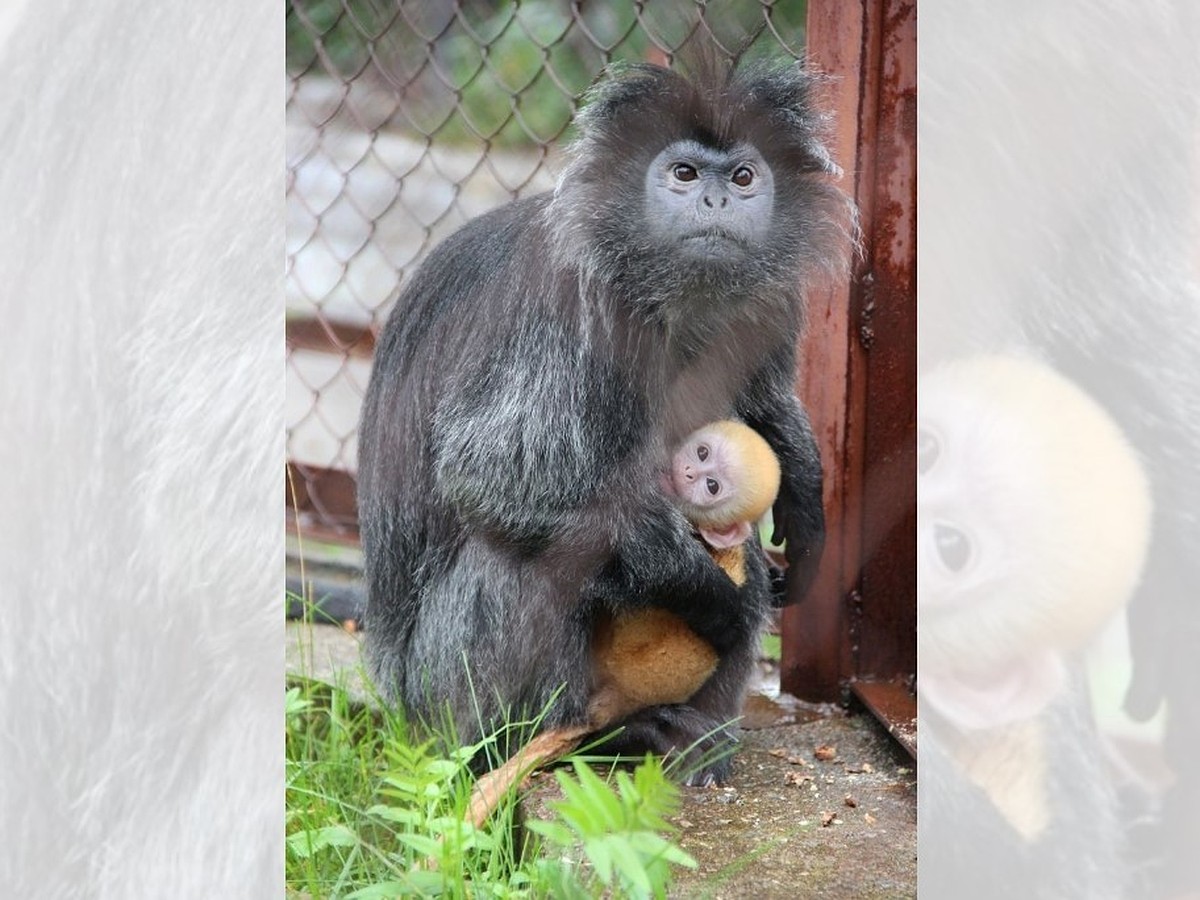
[
  {"x": 534, "y": 457},
  {"x": 770, "y": 407},
  {"x": 660, "y": 564}
]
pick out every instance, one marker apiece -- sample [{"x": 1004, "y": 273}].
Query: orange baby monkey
[{"x": 724, "y": 477}]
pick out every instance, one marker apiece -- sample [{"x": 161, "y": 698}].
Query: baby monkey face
[
  {"x": 704, "y": 471},
  {"x": 722, "y": 474}
]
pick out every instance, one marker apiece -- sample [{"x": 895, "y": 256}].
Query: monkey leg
[
  {"x": 642, "y": 659},
  {"x": 679, "y": 696},
  {"x": 704, "y": 725}
]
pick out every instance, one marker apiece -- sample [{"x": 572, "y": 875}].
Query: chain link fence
[{"x": 406, "y": 119}]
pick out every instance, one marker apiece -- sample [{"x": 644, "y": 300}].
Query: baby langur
[
  {"x": 1034, "y": 517},
  {"x": 724, "y": 477}
]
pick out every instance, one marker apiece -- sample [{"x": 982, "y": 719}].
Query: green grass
[
  {"x": 772, "y": 647},
  {"x": 375, "y": 810}
]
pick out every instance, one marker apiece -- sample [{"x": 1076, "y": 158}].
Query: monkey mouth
[
  {"x": 1006, "y": 694},
  {"x": 714, "y": 239},
  {"x": 713, "y": 254}
]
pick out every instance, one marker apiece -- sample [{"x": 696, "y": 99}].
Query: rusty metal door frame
[{"x": 857, "y": 628}]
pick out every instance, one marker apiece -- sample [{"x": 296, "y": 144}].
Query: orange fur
[
  {"x": 651, "y": 656},
  {"x": 754, "y": 469},
  {"x": 733, "y": 561}
]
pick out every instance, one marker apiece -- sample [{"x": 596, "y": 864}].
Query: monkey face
[
  {"x": 669, "y": 202},
  {"x": 702, "y": 475},
  {"x": 1033, "y": 515},
  {"x": 722, "y": 474},
  {"x": 709, "y": 205}
]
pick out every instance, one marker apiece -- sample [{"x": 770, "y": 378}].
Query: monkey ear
[{"x": 724, "y": 538}]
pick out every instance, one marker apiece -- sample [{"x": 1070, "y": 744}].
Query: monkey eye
[
  {"x": 702, "y": 452},
  {"x": 684, "y": 172},
  {"x": 713, "y": 486},
  {"x": 953, "y": 547},
  {"x": 928, "y": 450},
  {"x": 743, "y": 177}
]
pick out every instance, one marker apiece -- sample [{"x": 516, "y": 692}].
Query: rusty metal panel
[
  {"x": 857, "y": 373},
  {"x": 886, "y": 315},
  {"x": 893, "y": 703},
  {"x": 813, "y": 631}
]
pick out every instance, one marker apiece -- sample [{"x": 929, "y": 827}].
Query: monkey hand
[
  {"x": 660, "y": 564},
  {"x": 800, "y": 526}
]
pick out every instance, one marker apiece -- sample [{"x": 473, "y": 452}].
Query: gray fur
[{"x": 141, "y": 542}]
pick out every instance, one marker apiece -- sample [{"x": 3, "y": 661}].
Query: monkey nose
[
  {"x": 689, "y": 474},
  {"x": 708, "y": 201}
]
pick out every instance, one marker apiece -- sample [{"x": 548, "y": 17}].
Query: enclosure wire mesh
[{"x": 405, "y": 120}]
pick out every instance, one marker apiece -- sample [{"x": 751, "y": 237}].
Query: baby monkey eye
[
  {"x": 928, "y": 451},
  {"x": 713, "y": 487},
  {"x": 702, "y": 452},
  {"x": 953, "y": 546},
  {"x": 743, "y": 176},
  {"x": 684, "y": 172}
]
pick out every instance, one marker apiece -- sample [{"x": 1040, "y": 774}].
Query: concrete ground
[{"x": 822, "y": 802}]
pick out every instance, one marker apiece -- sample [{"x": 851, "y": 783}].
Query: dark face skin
[{"x": 709, "y": 204}]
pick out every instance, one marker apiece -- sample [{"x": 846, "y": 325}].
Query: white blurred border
[
  {"x": 141, "y": 404},
  {"x": 1058, "y": 202}
]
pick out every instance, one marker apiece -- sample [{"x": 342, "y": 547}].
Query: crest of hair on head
[{"x": 638, "y": 109}]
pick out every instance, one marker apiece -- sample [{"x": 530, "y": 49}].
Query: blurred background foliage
[{"x": 510, "y": 74}]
